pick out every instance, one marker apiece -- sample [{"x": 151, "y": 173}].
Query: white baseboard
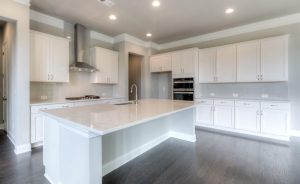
[
  {"x": 185, "y": 137},
  {"x": 38, "y": 144},
  {"x": 49, "y": 179},
  {"x": 107, "y": 168},
  {"x": 19, "y": 149},
  {"x": 294, "y": 133}
]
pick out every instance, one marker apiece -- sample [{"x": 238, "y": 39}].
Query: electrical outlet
[
  {"x": 264, "y": 95},
  {"x": 44, "y": 97},
  {"x": 235, "y": 95},
  {"x": 212, "y": 94}
]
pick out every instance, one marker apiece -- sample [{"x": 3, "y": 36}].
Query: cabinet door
[
  {"x": 100, "y": 57},
  {"x": 248, "y": 61},
  {"x": 37, "y": 128},
  {"x": 188, "y": 61},
  {"x": 274, "y": 59},
  {"x": 274, "y": 121},
  {"x": 207, "y": 59},
  {"x": 223, "y": 116},
  {"x": 226, "y": 64},
  {"x": 39, "y": 57},
  {"x": 155, "y": 65},
  {"x": 114, "y": 68},
  {"x": 247, "y": 119},
  {"x": 161, "y": 63},
  {"x": 59, "y": 64},
  {"x": 176, "y": 63},
  {"x": 204, "y": 114}
]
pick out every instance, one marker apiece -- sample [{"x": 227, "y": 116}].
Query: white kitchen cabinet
[
  {"x": 204, "y": 112},
  {"x": 274, "y": 59},
  {"x": 224, "y": 113},
  {"x": 226, "y": 64},
  {"x": 37, "y": 128},
  {"x": 106, "y": 61},
  {"x": 274, "y": 118},
  {"x": 184, "y": 61},
  {"x": 248, "y": 61},
  {"x": 49, "y": 58},
  {"x": 247, "y": 116},
  {"x": 161, "y": 63},
  {"x": 207, "y": 60}
]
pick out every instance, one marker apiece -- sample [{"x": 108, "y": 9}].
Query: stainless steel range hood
[{"x": 80, "y": 64}]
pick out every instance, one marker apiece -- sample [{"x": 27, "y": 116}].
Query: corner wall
[{"x": 18, "y": 97}]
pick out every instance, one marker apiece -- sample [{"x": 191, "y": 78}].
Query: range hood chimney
[{"x": 80, "y": 39}]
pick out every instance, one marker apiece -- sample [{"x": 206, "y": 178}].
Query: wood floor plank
[{"x": 213, "y": 159}]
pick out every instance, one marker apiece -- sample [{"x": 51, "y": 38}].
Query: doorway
[
  {"x": 3, "y": 87},
  {"x": 134, "y": 74}
]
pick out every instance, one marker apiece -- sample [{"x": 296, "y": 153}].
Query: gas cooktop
[{"x": 86, "y": 97}]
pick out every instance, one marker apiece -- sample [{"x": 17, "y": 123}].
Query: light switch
[
  {"x": 212, "y": 94},
  {"x": 235, "y": 95},
  {"x": 264, "y": 95}
]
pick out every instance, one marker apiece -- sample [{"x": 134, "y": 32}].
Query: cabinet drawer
[
  {"x": 247, "y": 104},
  {"x": 205, "y": 102},
  {"x": 275, "y": 105},
  {"x": 37, "y": 109},
  {"x": 224, "y": 102}
]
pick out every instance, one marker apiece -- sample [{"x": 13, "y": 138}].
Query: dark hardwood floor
[{"x": 213, "y": 159}]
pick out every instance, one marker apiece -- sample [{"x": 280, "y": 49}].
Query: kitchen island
[{"x": 82, "y": 144}]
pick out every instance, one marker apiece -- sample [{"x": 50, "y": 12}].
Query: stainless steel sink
[{"x": 125, "y": 103}]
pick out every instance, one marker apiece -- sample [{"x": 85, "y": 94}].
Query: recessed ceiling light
[
  {"x": 229, "y": 10},
  {"x": 148, "y": 34},
  {"x": 68, "y": 37},
  {"x": 156, "y": 3},
  {"x": 113, "y": 17}
]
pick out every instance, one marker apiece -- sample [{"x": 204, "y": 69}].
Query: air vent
[{"x": 107, "y": 3}]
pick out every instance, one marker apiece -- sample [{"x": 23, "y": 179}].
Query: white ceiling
[{"x": 173, "y": 20}]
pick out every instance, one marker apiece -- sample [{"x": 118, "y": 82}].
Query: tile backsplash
[{"x": 79, "y": 85}]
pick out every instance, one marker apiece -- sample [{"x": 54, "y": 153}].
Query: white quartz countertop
[
  {"x": 62, "y": 101},
  {"x": 106, "y": 118}
]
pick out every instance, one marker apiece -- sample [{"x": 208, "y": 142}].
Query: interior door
[
  {"x": 248, "y": 61},
  {"x": 3, "y": 98},
  {"x": 207, "y": 59},
  {"x": 274, "y": 59},
  {"x": 226, "y": 64},
  {"x": 59, "y": 63}
]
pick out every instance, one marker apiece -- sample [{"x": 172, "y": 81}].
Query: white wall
[
  {"x": 18, "y": 97},
  {"x": 1, "y": 83}
]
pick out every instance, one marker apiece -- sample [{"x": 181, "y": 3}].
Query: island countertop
[{"x": 106, "y": 118}]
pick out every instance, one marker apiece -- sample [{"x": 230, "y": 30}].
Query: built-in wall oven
[{"x": 183, "y": 89}]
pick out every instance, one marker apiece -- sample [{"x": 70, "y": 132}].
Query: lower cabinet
[
  {"x": 37, "y": 119},
  {"x": 274, "y": 118},
  {"x": 205, "y": 113},
  {"x": 265, "y": 119},
  {"x": 247, "y": 116},
  {"x": 224, "y": 113},
  {"x": 37, "y": 128}
]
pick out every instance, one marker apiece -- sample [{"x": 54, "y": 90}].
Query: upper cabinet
[
  {"x": 217, "y": 65},
  {"x": 185, "y": 62},
  {"x": 161, "y": 63},
  {"x": 207, "y": 65},
  {"x": 226, "y": 64},
  {"x": 106, "y": 61},
  {"x": 49, "y": 58},
  {"x": 263, "y": 60},
  {"x": 274, "y": 59},
  {"x": 248, "y": 61}
]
